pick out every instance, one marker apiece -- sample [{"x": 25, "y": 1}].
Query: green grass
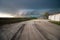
[
  {"x": 13, "y": 20},
  {"x": 55, "y": 22}
]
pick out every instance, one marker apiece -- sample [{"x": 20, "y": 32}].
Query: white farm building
[{"x": 55, "y": 17}]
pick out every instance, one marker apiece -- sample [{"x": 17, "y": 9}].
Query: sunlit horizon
[{"x": 3, "y": 15}]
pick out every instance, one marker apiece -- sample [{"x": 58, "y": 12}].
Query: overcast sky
[{"x": 14, "y": 5}]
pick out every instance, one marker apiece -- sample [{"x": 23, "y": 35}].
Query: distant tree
[{"x": 46, "y": 14}]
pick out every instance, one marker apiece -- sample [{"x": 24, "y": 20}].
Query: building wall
[{"x": 55, "y": 17}]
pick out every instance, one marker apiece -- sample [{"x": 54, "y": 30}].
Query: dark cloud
[{"x": 13, "y": 5}]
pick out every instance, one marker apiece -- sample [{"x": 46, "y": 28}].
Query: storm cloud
[{"x": 14, "y": 5}]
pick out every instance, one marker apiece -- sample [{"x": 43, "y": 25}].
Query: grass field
[
  {"x": 13, "y": 20},
  {"x": 55, "y": 22}
]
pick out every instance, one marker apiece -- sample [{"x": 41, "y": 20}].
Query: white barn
[{"x": 55, "y": 17}]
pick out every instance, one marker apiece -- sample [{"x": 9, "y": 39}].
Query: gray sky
[{"x": 14, "y": 5}]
